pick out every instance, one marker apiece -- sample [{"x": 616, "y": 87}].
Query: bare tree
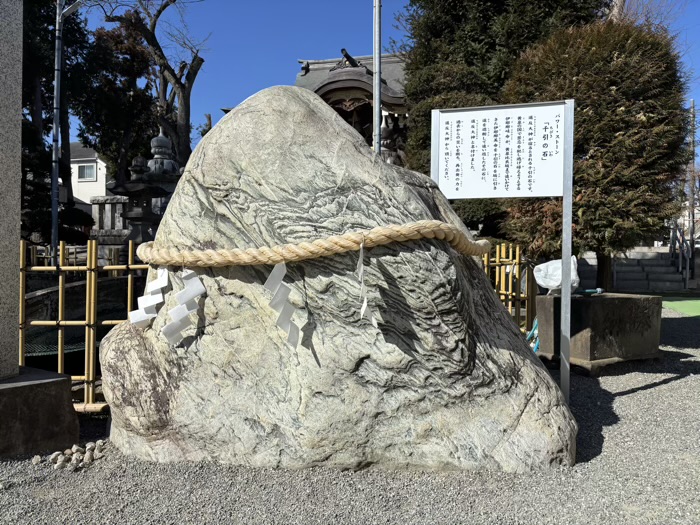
[
  {"x": 617, "y": 9},
  {"x": 656, "y": 12},
  {"x": 173, "y": 75}
]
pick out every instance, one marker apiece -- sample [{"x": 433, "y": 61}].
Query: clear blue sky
[{"x": 254, "y": 45}]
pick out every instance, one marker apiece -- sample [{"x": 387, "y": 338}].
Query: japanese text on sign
[{"x": 502, "y": 151}]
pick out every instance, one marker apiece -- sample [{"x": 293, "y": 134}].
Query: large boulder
[{"x": 445, "y": 380}]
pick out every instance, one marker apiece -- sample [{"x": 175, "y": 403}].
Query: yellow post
[
  {"x": 531, "y": 310},
  {"x": 88, "y": 295},
  {"x": 497, "y": 273},
  {"x": 510, "y": 275},
  {"x": 91, "y": 370},
  {"x": 61, "y": 306},
  {"x": 22, "y": 291},
  {"x": 518, "y": 284},
  {"x": 502, "y": 269},
  {"x": 130, "y": 280}
]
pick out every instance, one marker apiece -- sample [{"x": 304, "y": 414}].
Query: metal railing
[
  {"x": 91, "y": 268},
  {"x": 514, "y": 282},
  {"x": 681, "y": 252}
]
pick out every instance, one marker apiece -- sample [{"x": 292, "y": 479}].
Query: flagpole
[{"x": 377, "y": 89}]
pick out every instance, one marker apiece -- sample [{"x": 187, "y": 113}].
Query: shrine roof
[{"x": 315, "y": 73}]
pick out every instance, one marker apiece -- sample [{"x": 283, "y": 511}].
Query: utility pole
[
  {"x": 692, "y": 197},
  {"x": 61, "y": 14},
  {"x": 377, "y": 89}
]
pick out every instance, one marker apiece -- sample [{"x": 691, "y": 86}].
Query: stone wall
[{"x": 10, "y": 177}]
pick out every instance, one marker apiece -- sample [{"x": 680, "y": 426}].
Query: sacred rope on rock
[
  {"x": 333, "y": 245},
  {"x": 279, "y": 255}
]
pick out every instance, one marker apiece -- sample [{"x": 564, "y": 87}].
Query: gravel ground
[{"x": 638, "y": 463}]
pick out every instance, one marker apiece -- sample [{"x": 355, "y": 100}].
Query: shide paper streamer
[
  {"x": 194, "y": 289},
  {"x": 180, "y": 315},
  {"x": 364, "y": 309},
  {"x": 150, "y": 300},
  {"x": 280, "y": 303},
  {"x": 187, "y": 304}
]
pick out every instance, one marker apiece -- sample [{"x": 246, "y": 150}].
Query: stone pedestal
[
  {"x": 36, "y": 413},
  {"x": 605, "y": 328}
]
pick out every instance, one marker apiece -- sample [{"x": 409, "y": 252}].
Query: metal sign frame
[{"x": 567, "y": 196}]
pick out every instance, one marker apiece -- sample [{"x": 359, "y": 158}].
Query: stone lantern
[{"x": 149, "y": 190}]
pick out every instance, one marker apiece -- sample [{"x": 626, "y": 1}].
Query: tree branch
[
  {"x": 192, "y": 72},
  {"x": 137, "y": 23},
  {"x": 154, "y": 18}
]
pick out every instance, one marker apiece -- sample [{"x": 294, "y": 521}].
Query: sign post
[{"x": 521, "y": 150}]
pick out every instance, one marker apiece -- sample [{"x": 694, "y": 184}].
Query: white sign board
[
  {"x": 499, "y": 151},
  {"x": 524, "y": 150}
]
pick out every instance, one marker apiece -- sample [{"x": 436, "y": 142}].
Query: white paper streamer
[
  {"x": 149, "y": 301},
  {"x": 280, "y": 303},
  {"x": 187, "y": 304},
  {"x": 364, "y": 309}
]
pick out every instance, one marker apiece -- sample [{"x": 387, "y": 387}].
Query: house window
[{"x": 86, "y": 172}]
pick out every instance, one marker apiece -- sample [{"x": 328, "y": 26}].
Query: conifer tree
[
  {"x": 630, "y": 147},
  {"x": 459, "y": 53}
]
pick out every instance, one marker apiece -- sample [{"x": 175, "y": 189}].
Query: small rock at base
[
  {"x": 100, "y": 443},
  {"x": 90, "y": 446},
  {"x": 53, "y": 458},
  {"x": 36, "y": 460},
  {"x": 68, "y": 452},
  {"x": 62, "y": 459},
  {"x": 89, "y": 457},
  {"x": 60, "y": 465},
  {"x": 78, "y": 448},
  {"x": 75, "y": 459},
  {"x": 99, "y": 455}
]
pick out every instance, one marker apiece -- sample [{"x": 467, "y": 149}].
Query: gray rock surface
[{"x": 444, "y": 382}]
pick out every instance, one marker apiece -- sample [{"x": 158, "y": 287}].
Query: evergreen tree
[
  {"x": 630, "y": 131},
  {"x": 117, "y": 111},
  {"x": 460, "y": 53},
  {"x": 37, "y": 109}
]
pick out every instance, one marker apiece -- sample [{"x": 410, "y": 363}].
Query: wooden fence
[
  {"x": 505, "y": 266},
  {"x": 87, "y": 264},
  {"x": 514, "y": 282}
]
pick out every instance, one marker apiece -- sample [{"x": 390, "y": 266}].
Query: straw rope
[{"x": 333, "y": 245}]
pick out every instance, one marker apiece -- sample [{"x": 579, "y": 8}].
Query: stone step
[
  {"x": 655, "y": 262},
  {"x": 666, "y": 286},
  {"x": 628, "y": 268},
  {"x": 633, "y": 286},
  {"x": 626, "y": 262},
  {"x": 665, "y": 277},
  {"x": 649, "y": 255},
  {"x": 660, "y": 269},
  {"x": 632, "y": 276},
  {"x": 653, "y": 249}
]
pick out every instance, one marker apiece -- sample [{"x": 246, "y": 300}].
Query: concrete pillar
[
  {"x": 10, "y": 179},
  {"x": 36, "y": 409}
]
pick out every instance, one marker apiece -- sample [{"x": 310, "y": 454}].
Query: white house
[{"x": 88, "y": 175}]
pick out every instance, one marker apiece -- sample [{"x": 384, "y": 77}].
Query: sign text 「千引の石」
[{"x": 500, "y": 151}]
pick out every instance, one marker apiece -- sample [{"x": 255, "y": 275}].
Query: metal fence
[
  {"x": 85, "y": 263},
  {"x": 514, "y": 282}
]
